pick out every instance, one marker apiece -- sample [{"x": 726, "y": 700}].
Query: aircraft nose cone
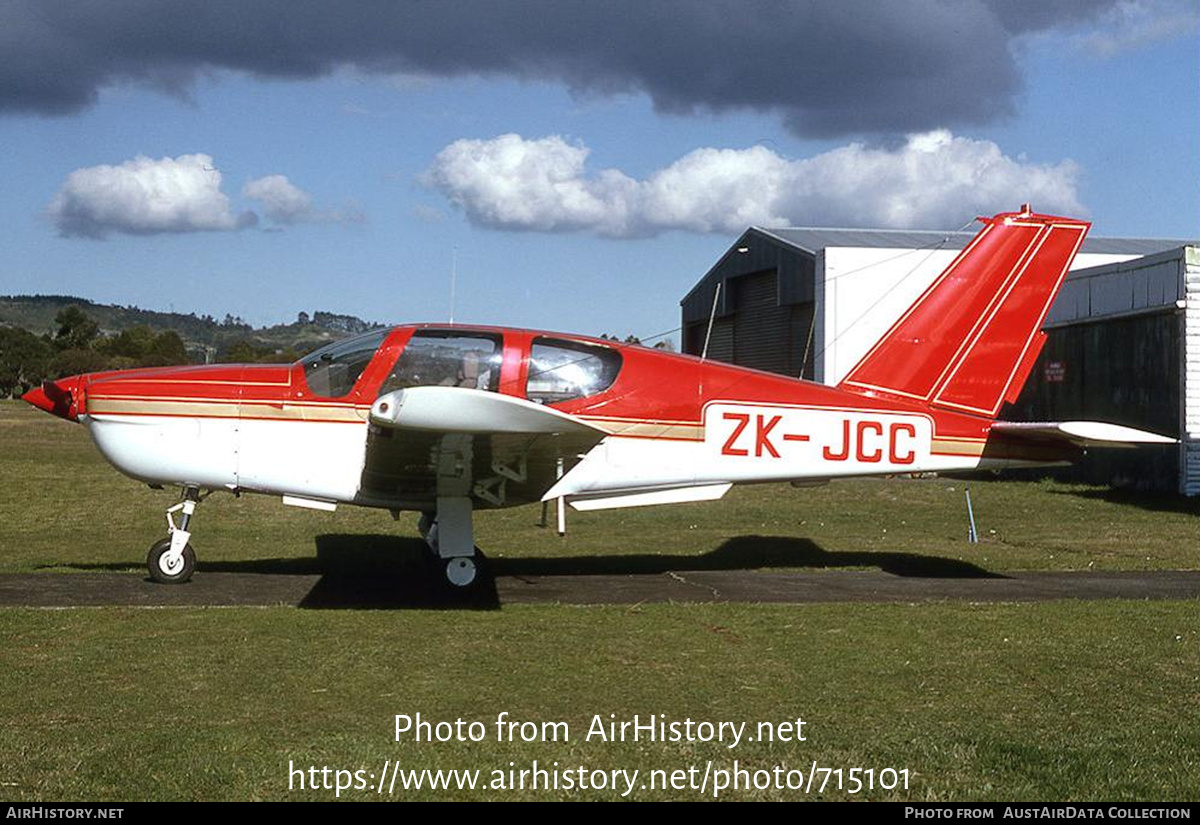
[
  {"x": 38, "y": 398},
  {"x": 57, "y": 397}
]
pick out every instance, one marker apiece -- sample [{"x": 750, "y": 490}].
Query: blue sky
[{"x": 583, "y": 193}]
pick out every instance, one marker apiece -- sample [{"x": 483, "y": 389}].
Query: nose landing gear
[{"x": 172, "y": 560}]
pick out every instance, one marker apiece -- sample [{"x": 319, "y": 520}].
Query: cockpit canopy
[
  {"x": 448, "y": 358},
  {"x": 559, "y": 369}
]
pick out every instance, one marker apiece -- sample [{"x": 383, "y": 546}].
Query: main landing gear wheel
[
  {"x": 461, "y": 571},
  {"x": 165, "y": 570},
  {"x": 467, "y": 573}
]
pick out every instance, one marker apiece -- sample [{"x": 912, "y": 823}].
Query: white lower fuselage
[{"x": 737, "y": 443}]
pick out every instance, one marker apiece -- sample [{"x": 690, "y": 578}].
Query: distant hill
[{"x": 200, "y": 334}]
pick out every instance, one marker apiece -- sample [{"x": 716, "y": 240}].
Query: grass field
[
  {"x": 1050, "y": 701},
  {"x": 72, "y": 511}
]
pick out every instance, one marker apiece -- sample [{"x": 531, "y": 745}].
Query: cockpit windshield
[{"x": 332, "y": 371}]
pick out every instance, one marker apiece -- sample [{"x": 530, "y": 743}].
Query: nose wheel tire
[{"x": 159, "y": 563}]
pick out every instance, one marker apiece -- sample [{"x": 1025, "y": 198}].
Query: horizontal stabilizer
[
  {"x": 707, "y": 492},
  {"x": 464, "y": 410},
  {"x": 1079, "y": 433}
]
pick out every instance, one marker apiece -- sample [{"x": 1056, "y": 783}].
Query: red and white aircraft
[{"x": 443, "y": 420}]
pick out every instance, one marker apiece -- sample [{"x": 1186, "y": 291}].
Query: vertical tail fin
[{"x": 970, "y": 340}]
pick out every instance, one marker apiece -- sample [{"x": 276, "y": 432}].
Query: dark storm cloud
[
  {"x": 828, "y": 68},
  {"x": 1019, "y": 16}
]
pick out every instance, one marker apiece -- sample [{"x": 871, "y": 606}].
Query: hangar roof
[
  {"x": 812, "y": 240},
  {"x": 808, "y": 241}
]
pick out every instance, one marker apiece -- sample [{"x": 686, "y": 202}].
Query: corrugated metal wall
[
  {"x": 720, "y": 343},
  {"x": 759, "y": 334},
  {"x": 1190, "y": 477},
  {"x": 764, "y": 311},
  {"x": 760, "y": 325},
  {"x": 1120, "y": 370}
]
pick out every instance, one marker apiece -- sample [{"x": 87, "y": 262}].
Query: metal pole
[
  {"x": 972, "y": 533},
  {"x": 711, "y": 316},
  {"x": 453, "y": 279},
  {"x": 561, "y": 505}
]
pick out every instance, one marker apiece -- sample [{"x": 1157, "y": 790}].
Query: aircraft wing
[
  {"x": 453, "y": 441},
  {"x": 1079, "y": 433}
]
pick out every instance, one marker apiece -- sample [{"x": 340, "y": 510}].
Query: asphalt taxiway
[{"x": 330, "y": 590}]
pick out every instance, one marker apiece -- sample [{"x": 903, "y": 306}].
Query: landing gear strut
[
  {"x": 450, "y": 535},
  {"x": 172, "y": 560}
]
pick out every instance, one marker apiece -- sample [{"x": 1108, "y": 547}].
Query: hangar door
[
  {"x": 767, "y": 336},
  {"x": 720, "y": 341}
]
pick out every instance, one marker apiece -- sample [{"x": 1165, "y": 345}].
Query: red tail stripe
[{"x": 981, "y": 378}]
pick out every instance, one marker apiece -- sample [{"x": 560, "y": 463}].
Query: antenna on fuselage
[
  {"x": 453, "y": 278},
  {"x": 711, "y": 316}
]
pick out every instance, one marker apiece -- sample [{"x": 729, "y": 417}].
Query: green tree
[
  {"x": 167, "y": 351},
  {"x": 240, "y": 352},
  {"x": 135, "y": 343},
  {"x": 76, "y": 329},
  {"x": 24, "y": 360},
  {"x": 77, "y": 362}
]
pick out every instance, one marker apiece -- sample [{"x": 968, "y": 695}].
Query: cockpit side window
[
  {"x": 561, "y": 370},
  {"x": 447, "y": 358},
  {"x": 332, "y": 371}
]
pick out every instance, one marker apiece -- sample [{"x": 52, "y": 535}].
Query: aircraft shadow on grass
[
  {"x": 375, "y": 571},
  {"x": 1155, "y": 502}
]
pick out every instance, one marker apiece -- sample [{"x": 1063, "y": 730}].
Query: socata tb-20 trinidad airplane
[{"x": 443, "y": 420}]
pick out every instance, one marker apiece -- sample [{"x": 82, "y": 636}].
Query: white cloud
[
  {"x": 175, "y": 195},
  {"x": 282, "y": 201},
  {"x": 934, "y": 180},
  {"x": 145, "y": 197},
  {"x": 427, "y": 214},
  {"x": 513, "y": 183},
  {"x": 286, "y": 204},
  {"x": 1134, "y": 24}
]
